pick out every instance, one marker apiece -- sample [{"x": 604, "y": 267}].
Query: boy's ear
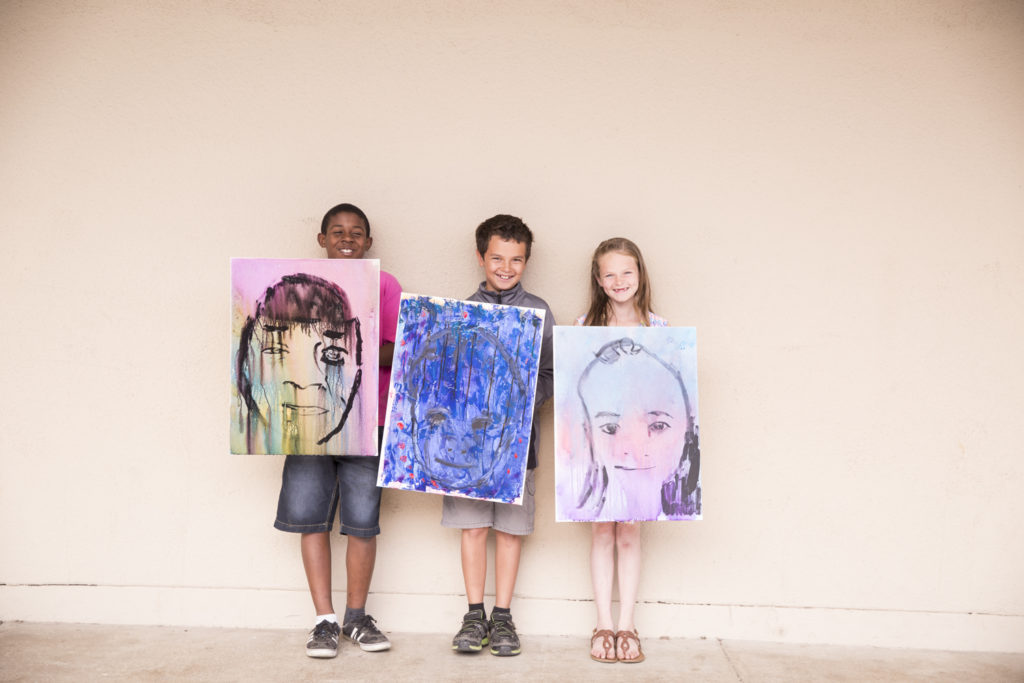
[
  {"x": 479, "y": 258},
  {"x": 369, "y": 243},
  {"x": 321, "y": 240}
]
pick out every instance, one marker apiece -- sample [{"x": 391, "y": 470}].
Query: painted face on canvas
[
  {"x": 618, "y": 275},
  {"x": 637, "y": 420},
  {"x": 302, "y": 363},
  {"x": 465, "y": 402},
  {"x": 461, "y": 451},
  {"x": 503, "y": 263},
  {"x": 304, "y": 380}
]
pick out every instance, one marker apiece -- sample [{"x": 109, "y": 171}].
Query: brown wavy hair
[{"x": 597, "y": 313}]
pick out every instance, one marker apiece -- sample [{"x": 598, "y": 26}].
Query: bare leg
[
  {"x": 602, "y": 571},
  {"x": 360, "y": 557},
  {"x": 627, "y": 542},
  {"x": 316, "y": 560},
  {"x": 474, "y": 562},
  {"x": 508, "y": 548}
]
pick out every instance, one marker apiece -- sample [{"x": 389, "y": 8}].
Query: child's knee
[
  {"x": 626, "y": 536},
  {"x": 477, "y": 535},
  {"x": 603, "y": 533},
  {"x": 507, "y": 539}
]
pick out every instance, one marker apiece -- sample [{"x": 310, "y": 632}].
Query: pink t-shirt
[{"x": 390, "y": 298}]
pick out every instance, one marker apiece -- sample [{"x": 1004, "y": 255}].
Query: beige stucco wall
[{"x": 832, "y": 193}]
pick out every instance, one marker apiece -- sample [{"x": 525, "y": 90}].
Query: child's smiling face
[
  {"x": 346, "y": 236},
  {"x": 618, "y": 275},
  {"x": 503, "y": 263}
]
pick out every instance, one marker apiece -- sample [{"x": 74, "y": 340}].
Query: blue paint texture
[{"x": 461, "y": 401}]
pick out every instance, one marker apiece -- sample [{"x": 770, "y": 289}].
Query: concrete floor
[{"x": 66, "y": 652}]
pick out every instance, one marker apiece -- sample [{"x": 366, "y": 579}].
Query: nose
[{"x": 632, "y": 441}]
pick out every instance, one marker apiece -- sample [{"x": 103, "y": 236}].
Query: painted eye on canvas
[
  {"x": 656, "y": 427},
  {"x": 333, "y": 355},
  {"x": 609, "y": 428},
  {"x": 275, "y": 349},
  {"x": 481, "y": 422},
  {"x": 436, "y": 417}
]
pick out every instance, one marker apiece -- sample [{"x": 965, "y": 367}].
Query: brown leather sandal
[
  {"x": 608, "y": 644},
  {"x": 625, "y": 639}
]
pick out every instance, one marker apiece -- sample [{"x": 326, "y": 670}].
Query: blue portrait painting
[{"x": 460, "y": 405}]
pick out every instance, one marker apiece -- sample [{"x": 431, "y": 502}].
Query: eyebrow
[
  {"x": 276, "y": 328},
  {"x": 605, "y": 413},
  {"x": 659, "y": 412}
]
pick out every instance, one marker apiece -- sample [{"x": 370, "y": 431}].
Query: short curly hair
[{"x": 343, "y": 208}]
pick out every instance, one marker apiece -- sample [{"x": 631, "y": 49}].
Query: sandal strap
[
  {"x": 607, "y": 642},
  {"x": 628, "y": 636}
]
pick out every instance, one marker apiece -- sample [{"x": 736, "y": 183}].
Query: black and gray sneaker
[
  {"x": 363, "y": 630},
  {"x": 323, "y": 640},
  {"x": 473, "y": 634},
  {"x": 504, "y": 641}
]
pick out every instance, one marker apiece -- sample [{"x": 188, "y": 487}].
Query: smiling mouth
[
  {"x": 304, "y": 410},
  {"x": 456, "y": 465}
]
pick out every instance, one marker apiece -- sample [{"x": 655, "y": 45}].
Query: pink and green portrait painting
[
  {"x": 304, "y": 355},
  {"x": 626, "y": 424},
  {"x": 460, "y": 405}
]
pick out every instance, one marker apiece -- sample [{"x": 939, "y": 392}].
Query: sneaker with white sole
[
  {"x": 323, "y": 640},
  {"x": 363, "y": 630}
]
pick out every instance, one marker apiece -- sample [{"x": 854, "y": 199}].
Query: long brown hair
[{"x": 597, "y": 313}]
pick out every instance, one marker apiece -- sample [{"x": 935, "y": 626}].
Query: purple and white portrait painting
[
  {"x": 626, "y": 424},
  {"x": 304, "y": 352},
  {"x": 460, "y": 405}
]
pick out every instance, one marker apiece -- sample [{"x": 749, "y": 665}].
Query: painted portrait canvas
[
  {"x": 626, "y": 424},
  {"x": 304, "y": 352},
  {"x": 461, "y": 399}
]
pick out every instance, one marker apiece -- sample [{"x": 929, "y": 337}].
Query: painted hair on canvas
[
  {"x": 681, "y": 463},
  {"x": 316, "y": 307}
]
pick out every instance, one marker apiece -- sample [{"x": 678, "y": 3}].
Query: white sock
[{"x": 333, "y": 618}]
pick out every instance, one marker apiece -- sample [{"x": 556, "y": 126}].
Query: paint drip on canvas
[
  {"x": 304, "y": 356},
  {"x": 460, "y": 405},
  {"x": 626, "y": 424}
]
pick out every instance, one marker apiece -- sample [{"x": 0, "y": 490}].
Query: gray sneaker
[
  {"x": 363, "y": 630},
  {"x": 473, "y": 634},
  {"x": 323, "y": 640},
  {"x": 504, "y": 641}
]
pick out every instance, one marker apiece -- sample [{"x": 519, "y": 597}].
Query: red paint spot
[
  {"x": 508, "y": 471},
  {"x": 401, "y": 426},
  {"x": 465, "y": 314},
  {"x": 520, "y": 440},
  {"x": 433, "y": 483},
  {"x": 402, "y": 446},
  {"x": 515, "y": 455},
  {"x": 403, "y": 458},
  {"x": 403, "y": 343}
]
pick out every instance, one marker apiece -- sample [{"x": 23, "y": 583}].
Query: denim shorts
[
  {"x": 312, "y": 487},
  {"x": 467, "y": 513}
]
